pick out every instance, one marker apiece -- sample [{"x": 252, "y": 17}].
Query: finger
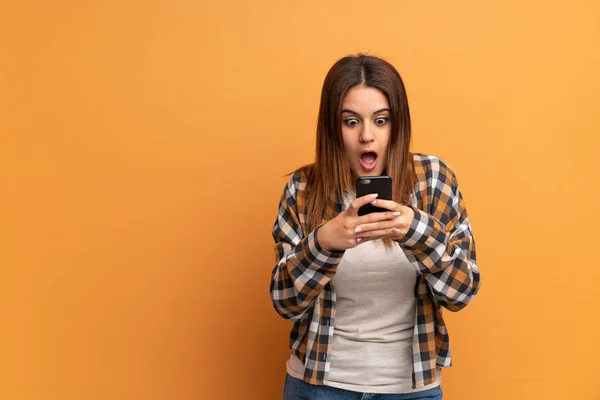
[
  {"x": 364, "y": 240},
  {"x": 361, "y": 201},
  {"x": 377, "y": 217},
  {"x": 378, "y": 234},
  {"x": 387, "y": 204},
  {"x": 376, "y": 226}
]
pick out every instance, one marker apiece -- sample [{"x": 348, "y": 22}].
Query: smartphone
[{"x": 382, "y": 185}]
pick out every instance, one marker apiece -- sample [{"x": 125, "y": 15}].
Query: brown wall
[{"x": 143, "y": 148}]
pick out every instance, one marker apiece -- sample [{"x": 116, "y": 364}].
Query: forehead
[{"x": 365, "y": 99}]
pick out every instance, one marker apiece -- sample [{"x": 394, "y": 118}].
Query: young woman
[{"x": 365, "y": 292}]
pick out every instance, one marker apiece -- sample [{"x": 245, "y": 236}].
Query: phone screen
[{"x": 382, "y": 185}]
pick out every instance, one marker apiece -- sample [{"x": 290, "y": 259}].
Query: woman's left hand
[{"x": 395, "y": 228}]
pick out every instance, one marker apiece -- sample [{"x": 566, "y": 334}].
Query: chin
[
  {"x": 364, "y": 173},
  {"x": 375, "y": 172}
]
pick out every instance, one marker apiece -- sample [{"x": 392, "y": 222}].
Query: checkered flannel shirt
[{"x": 439, "y": 244}]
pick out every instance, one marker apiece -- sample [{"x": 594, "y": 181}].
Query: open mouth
[{"x": 368, "y": 160}]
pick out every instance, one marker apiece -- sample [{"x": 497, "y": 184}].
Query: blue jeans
[{"x": 297, "y": 389}]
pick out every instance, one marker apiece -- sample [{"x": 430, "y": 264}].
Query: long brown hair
[{"x": 331, "y": 175}]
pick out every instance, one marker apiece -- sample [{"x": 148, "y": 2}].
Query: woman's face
[{"x": 366, "y": 130}]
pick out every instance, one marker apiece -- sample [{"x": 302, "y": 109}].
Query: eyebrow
[{"x": 355, "y": 113}]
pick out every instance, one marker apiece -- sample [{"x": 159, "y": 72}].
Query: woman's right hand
[{"x": 339, "y": 233}]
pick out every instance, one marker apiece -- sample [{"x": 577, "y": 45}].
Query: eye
[
  {"x": 351, "y": 121},
  {"x": 381, "y": 121}
]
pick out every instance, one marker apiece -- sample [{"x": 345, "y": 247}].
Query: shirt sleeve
[
  {"x": 441, "y": 242},
  {"x": 302, "y": 267}
]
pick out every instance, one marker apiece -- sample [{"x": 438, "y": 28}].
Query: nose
[{"x": 366, "y": 135}]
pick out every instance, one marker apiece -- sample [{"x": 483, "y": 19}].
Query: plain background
[{"x": 144, "y": 146}]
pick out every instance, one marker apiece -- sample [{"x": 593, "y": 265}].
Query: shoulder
[
  {"x": 430, "y": 167},
  {"x": 298, "y": 182}
]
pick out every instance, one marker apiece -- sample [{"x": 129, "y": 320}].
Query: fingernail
[
  {"x": 395, "y": 214},
  {"x": 395, "y": 230},
  {"x": 358, "y": 229},
  {"x": 374, "y": 196},
  {"x": 374, "y": 202},
  {"x": 358, "y": 239}
]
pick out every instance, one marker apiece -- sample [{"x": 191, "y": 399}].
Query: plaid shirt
[{"x": 439, "y": 244}]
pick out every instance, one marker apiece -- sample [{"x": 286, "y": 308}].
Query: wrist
[{"x": 322, "y": 238}]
